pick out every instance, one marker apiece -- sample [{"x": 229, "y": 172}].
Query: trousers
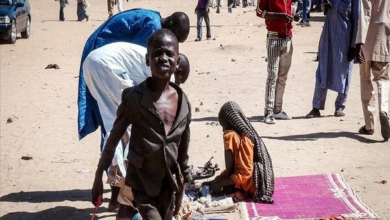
[
  {"x": 380, "y": 73},
  {"x": 279, "y": 53}
]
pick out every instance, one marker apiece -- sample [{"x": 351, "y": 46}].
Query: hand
[
  {"x": 359, "y": 53},
  {"x": 351, "y": 54},
  {"x": 97, "y": 188},
  {"x": 285, "y": 17},
  {"x": 216, "y": 186},
  {"x": 297, "y": 17}
]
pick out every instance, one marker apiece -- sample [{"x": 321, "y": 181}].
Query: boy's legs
[
  {"x": 199, "y": 16},
  {"x": 155, "y": 208},
  {"x": 284, "y": 67},
  {"x": 274, "y": 47},
  {"x": 126, "y": 210}
]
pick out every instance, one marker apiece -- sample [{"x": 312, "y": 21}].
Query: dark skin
[
  {"x": 181, "y": 76},
  {"x": 359, "y": 53},
  {"x": 181, "y": 31},
  {"x": 162, "y": 58}
]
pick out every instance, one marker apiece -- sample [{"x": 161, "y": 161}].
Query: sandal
[
  {"x": 363, "y": 130},
  {"x": 314, "y": 113}
]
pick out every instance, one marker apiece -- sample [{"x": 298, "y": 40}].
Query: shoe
[
  {"x": 209, "y": 38},
  {"x": 363, "y": 130},
  {"x": 314, "y": 113},
  {"x": 385, "y": 125},
  {"x": 282, "y": 115},
  {"x": 197, "y": 39},
  {"x": 339, "y": 113},
  {"x": 269, "y": 119},
  {"x": 87, "y": 18}
]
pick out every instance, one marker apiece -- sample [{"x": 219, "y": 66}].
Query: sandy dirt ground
[{"x": 42, "y": 103}]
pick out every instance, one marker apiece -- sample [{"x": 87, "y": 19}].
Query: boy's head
[
  {"x": 162, "y": 53},
  {"x": 179, "y": 24},
  {"x": 183, "y": 70}
]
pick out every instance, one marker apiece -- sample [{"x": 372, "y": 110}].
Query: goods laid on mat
[{"x": 310, "y": 197}]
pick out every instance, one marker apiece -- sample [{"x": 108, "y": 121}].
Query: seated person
[{"x": 249, "y": 170}]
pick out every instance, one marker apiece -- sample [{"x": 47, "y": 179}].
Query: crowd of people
[{"x": 130, "y": 72}]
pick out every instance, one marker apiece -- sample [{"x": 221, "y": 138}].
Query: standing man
[
  {"x": 202, "y": 12},
  {"x": 335, "y": 55},
  {"x": 278, "y": 18},
  {"x": 373, "y": 52}
]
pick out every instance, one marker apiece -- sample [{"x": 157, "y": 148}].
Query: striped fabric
[
  {"x": 279, "y": 52},
  {"x": 263, "y": 174}
]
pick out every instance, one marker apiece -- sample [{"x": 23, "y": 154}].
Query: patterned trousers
[
  {"x": 279, "y": 53},
  {"x": 380, "y": 71}
]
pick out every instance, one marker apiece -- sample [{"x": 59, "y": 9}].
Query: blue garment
[
  {"x": 338, "y": 35},
  {"x": 133, "y": 26}
]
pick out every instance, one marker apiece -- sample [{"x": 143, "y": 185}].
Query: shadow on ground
[
  {"x": 58, "y": 212},
  {"x": 50, "y": 196},
  {"x": 323, "y": 135}
]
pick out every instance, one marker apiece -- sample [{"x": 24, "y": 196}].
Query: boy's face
[{"x": 162, "y": 57}]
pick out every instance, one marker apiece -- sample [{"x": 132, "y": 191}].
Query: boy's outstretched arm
[{"x": 120, "y": 125}]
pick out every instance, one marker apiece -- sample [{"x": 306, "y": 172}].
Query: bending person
[{"x": 133, "y": 26}]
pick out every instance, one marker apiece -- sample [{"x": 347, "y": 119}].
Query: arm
[
  {"x": 362, "y": 28},
  {"x": 120, "y": 125},
  {"x": 183, "y": 163},
  {"x": 262, "y": 11},
  {"x": 244, "y": 163}
]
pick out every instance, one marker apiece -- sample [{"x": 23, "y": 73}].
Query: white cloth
[
  {"x": 120, "y": 5},
  {"x": 109, "y": 70}
]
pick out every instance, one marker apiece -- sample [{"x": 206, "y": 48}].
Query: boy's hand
[{"x": 97, "y": 188}]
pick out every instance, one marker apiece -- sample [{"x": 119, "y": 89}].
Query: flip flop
[{"x": 363, "y": 130}]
